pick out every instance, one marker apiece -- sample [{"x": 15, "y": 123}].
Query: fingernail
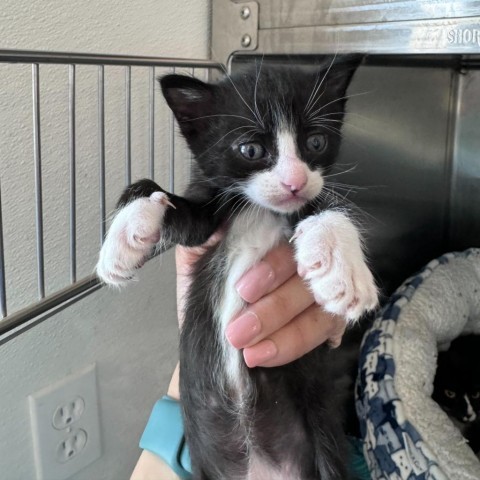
[
  {"x": 260, "y": 353},
  {"x": 256, "y": 282},
  {"x": 243, "y": 330}
]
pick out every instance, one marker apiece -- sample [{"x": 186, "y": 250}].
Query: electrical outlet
[
  {"x": 71, "y": 445},
  {"x": 65, "y": 425}
]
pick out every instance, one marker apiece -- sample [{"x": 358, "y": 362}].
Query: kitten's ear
[
  {"x": 189, "y": 98},
  {"x": 342, "y": 70}
]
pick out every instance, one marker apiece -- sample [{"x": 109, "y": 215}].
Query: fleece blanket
[{"x": 406, "y": 434}]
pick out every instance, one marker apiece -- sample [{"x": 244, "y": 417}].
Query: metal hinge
[{"x": 234, "y": 28}]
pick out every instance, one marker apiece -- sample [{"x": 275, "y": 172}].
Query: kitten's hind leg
[
  {"x": 134, "y": 232},
  {"x": 330, "y": 258}
]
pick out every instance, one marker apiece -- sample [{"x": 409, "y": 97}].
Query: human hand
[{"x": 282, "y": 321}]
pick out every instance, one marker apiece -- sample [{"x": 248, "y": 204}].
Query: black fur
[
  {"x": 292, "y": 411},
  {"x": 457, "y": 376}
]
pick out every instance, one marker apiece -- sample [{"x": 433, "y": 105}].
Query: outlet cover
[{"x": 66, "y": 426}]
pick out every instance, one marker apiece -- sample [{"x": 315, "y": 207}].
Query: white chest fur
[{"x": 253, "y": 233}]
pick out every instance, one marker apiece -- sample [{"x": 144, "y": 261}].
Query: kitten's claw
[
  {"x": 134, "y": 231},
  {"x": 330, "y": 259}
]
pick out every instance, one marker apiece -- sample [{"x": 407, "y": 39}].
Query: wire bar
[
  {"x": 172, "y": 150},
  {"x": 152, "y": 123},
  {"x": 51, "y": 303},
  {"x": 29, "y": 56},
  {"x": 3, "y": 295},
  {"x": 101, "y": 143},
  {"x": 73, "y": 181},
  {"x": 128, "y": 125},
  {"x": 38, "y": 178},
  {"x": 13, "y": 323},
  {"x": 192, "y": 71}
]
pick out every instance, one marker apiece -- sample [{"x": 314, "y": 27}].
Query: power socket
[{"x": 65, "y": 425}]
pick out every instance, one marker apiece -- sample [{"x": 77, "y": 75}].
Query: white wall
[{"x": 131, "y": 335}]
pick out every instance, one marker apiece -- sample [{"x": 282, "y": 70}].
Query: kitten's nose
[
  {"x": 295, "y": 181},
  {"x": 469, "y": 418}
]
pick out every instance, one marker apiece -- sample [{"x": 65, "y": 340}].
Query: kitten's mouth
[{"x": 290, "y": 202}]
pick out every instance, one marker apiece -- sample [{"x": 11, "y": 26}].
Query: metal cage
[{"x": 49, "y": 302}]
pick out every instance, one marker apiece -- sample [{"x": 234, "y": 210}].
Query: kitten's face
[
  {"x": 456, "y": 390},
  {"x": 267, "y": 135}
]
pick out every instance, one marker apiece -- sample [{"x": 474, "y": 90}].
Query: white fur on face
[
  {"x": 470, "y": 416},
  {"x": 289, "y": 184}
]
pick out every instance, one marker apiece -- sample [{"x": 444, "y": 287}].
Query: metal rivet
[
  {"x": 246, "y": 40},
  {"x": 245, "y": 12}
]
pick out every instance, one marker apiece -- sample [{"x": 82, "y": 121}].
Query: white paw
[
  {"x": 134, "y": 231},
  {"x": 330, "y": 258}
]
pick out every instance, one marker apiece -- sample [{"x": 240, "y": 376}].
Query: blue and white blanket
[{"x": 406, "y": 434}]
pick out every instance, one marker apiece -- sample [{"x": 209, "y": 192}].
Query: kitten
[
  {"x": 263, "y": 141},
  {"x": 456, "y": 387}
]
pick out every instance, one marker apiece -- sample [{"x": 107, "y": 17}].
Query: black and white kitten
[
  {"x": 456, "y": 387},
  {"x": 263, "y": 141}
]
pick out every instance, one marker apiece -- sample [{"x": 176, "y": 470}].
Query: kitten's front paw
[
  {"x": 330, "y": 258},
  {"x": 134, "y": 231}
]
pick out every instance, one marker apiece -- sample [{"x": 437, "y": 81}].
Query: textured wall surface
[{"x": 131, "y": 335}]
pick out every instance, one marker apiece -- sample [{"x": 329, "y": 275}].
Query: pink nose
[{"x": 295, "y": 181}]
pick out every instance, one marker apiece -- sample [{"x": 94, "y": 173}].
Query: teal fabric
[{"x": 358, "y": 465}]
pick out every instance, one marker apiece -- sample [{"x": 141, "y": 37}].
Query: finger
[
  {"x": 264, "y": 277},
  {"x": 269, "y": 313},
  {"x": 304, "y": 333}
]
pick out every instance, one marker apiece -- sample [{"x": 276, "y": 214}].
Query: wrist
[
  {"x": 164, "y": 436},
  {"x": 173, "y": 389}
]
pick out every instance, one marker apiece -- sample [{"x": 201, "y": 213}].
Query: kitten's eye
[
  {"x": 475, "y": 395},
  {"x": 252, "y": 151},
  {"x": 450, "y": 394},
  {"x": 317, "y": 143}
]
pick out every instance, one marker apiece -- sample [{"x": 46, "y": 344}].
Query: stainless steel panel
[
  {"x": 465, "y": 199},
  {"x": 373, "y": 26},
  {"x": 420, "y": 36},
  {"x": 302, "y": 13},
  {"x": 396, "y": 155}
]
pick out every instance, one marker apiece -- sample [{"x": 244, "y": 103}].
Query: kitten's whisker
[
  {"x": 347, "y": 186},
  {"x": 345, "y": 202},
  {"x": 331, "y": 113},
  {"x": 236, "y": 206},
  {"x": 333, "y": 130},
  {"x": 235, "y": 196},
  {"x": 351, "y": 169},
  {"x": 347, "y": 115},
  {"x": 306, "y": 111},
  {"x": 330, "y": 120},
  {"x": 212, "y": 180},
  {"x": 255, "y": 94},
  {"x": 312, "y": 93},
  {"x": 220, "y": 115},
  {"x": 345, "y": 97},
  {"x": 323, "y": 124},
  {"x": 309, "y": 106},
  {"x": 239, "y": 94},
  {"x": 226, "y": 135}
]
